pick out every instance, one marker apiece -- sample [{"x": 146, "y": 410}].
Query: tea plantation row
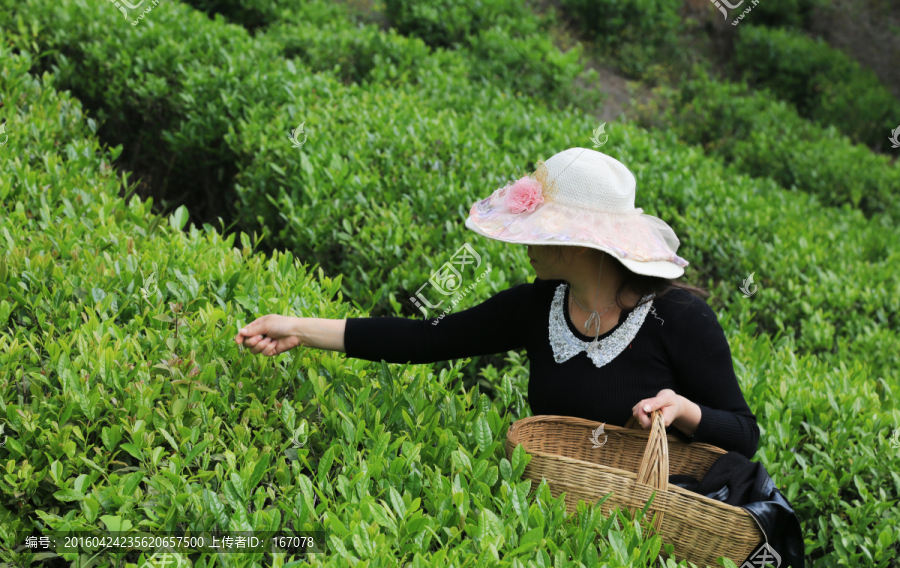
[
  {"x": 770, "y": 50},
  {"x": 766, "y": 137},
  {"x": 825, "y": 85}
]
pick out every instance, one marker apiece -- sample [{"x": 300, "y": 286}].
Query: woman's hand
[
  {"x": 671, "y": 404},
  {"x": 270, "y": 335}
]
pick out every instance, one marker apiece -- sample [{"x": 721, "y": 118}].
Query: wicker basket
[{"x": 631, "y": 465}]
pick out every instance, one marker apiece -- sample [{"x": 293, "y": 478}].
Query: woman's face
[{"x": 545, "y": 261}]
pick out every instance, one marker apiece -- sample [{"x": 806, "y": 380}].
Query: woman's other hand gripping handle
[{"x": 273, "y": 334}]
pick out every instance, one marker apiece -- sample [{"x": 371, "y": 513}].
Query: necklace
[{"x": 594, "y": 316}]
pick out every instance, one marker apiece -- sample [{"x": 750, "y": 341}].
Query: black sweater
[{"x": 681, "y": 347}]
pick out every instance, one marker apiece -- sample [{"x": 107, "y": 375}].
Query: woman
[{"x": 601, "y": 267}]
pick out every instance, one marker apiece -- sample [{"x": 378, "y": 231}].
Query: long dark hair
[{"x": 643, "y": 285}]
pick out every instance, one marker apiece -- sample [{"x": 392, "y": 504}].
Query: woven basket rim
[{"x": 613, "y": 429}]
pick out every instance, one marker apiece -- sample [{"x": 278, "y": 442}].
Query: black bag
[{"x": 735, "y": 480}]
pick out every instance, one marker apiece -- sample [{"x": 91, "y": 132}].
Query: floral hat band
[{"x": 580, "y": 197}]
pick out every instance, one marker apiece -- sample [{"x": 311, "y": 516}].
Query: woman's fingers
[
  {"x": 260, "y": 345},
  {"x": 269, "y": 335},
  {"x": 257, "y": 327},
  {"x": 274, "y": 347},
  {"x": 252, "y": 341},
  {"x": 271, "y": 349}
]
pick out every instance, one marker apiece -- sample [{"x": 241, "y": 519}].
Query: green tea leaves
[{"x": 179, "y": 218}]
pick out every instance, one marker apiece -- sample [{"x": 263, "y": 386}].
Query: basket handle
[
  {"x": 654, "y": 470},
  {"x": 633, "y": 423}
]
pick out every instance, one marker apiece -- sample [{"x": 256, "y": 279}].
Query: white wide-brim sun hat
[{"x": 580, "y": 197}]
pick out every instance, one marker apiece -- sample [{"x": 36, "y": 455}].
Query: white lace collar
[{"x": 566, "y": 345}]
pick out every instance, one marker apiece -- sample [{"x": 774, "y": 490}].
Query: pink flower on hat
[{"x": 524, "y": 195}]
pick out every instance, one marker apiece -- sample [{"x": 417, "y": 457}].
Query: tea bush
[
  {"x": 748, "y": 128},
  {"x": 636, "y": 33},
  {"x": 161, "y": 89},
  {"x": 498, "y": 42},
  {"x": 452, "y": 23},
  {"x": 364, "y": 56},
  {"x": 252, "y": 14},
  {"x": 493, "y": 39},
  {"x": 256, "y": 14},
  {"x": 824, "y": 84}
]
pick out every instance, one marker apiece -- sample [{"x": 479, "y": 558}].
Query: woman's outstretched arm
[
  {"x": 496, "y": 325},
  {"x": 273, "y": 334}
]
